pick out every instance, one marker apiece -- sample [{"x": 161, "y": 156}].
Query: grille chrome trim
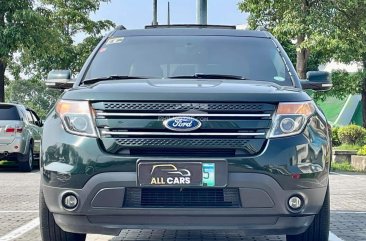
[
  {"x": 126, "y": 133},
  {"x": 182, "y": 114}
]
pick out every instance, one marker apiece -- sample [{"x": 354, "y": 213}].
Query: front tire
[
  {"x": 50, "y": 231},
  {"x": 319, "y": 229},
  {"x": 25, "y": 161}
]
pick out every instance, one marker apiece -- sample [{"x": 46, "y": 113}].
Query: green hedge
[{"x": 351, "y": 135}]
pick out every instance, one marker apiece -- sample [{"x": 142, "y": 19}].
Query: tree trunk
[
  {"x": 302, "y": 53},
  {"x": 363, "y": 99},
  {"x": 302, "y": 58},
  {"x": 2, "y": 81}
]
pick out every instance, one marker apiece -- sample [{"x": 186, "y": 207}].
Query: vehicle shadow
[{"x": 12, "y": 167}]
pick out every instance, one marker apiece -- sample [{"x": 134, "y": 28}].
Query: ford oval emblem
[{"x": 182, "y": 124}]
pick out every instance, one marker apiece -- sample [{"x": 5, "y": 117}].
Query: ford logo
[{"x": 182, "y": 124}]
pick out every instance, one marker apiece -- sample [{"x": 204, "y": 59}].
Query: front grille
[
  {"x": 228, "y": 129},
  {"x": 182, "y": 198}
]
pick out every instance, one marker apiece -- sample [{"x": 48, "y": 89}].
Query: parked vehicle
[
  {"x": 186, "y": 127},
  {"x": 20, "y": 135}
]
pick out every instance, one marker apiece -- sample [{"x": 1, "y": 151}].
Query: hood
[{"x": 186, "y": 90}]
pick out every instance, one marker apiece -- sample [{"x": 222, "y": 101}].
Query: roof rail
[
  {"x": 191, "y": 26},
  {"x": 121, "y": 27}
]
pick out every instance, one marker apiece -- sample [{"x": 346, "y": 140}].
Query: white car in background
[{"x": 20, "y": 135}]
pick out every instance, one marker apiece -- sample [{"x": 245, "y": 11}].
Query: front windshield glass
[{"x": 173, "y": 56}]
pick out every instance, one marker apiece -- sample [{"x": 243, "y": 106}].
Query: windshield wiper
[
  {"x": 208, "y": 76},
  {"x": 112, "y": 77}
]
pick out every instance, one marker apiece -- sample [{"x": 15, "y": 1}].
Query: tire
[
  {"x": 50, "y": 231},
  {"x": 319, "y": 229},
  {"x": 25, "y": 161}
]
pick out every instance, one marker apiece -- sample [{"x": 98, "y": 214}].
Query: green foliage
[
  {"x": 344, "y": 84},
  {"x": 362, "y": 151},
  {"x": 287, "y": 17},
  {"x": 67, "y": 19},
  {"x": 307, "y": 23},
  {"x": 38, "y": 36},
  {"x": 351, "y": 30},
  {"x": 349, "y": 41},
  {"x": 33, "y": 94},
  {"x": 335, "y": 137},
  {"x": 42, "y": 34},
  {"x": 321, "y": 31},
  {"x": 21, "y": 27},
  {"x": 347, "y": 147},
  {"x": 343, "y": 166},
  {"x": 352, "y": 135}
]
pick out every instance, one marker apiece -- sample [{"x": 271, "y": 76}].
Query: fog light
[
  {"x": 295, "y": 203},
  {"x": 70, "y": 201}
]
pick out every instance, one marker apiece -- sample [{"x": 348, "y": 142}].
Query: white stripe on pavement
[
  {"x": 35, "y": 223},
  {"x": 20, "y": 231},
  {"x": 333, "y": 237},
  {"x": 340, "y": 174},
  {"x": 34, "y": 211},
  {"x": 348, "y": 212},
  {"x": 347, "y": 175}
]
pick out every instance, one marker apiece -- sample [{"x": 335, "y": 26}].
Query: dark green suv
[{"x": 186, "y": 127}]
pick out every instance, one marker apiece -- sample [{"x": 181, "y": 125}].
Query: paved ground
[{"x": 19, "y": 213}]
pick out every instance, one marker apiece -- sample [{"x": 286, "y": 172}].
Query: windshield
[{"x": 174, "y": 56}]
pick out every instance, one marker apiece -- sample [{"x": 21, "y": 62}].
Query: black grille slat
[
  {"x": 187, "y": 146},
  {"x": 179, "y": 107},
  {"x": 183, "y": 152},
  {"x": 182, "y": 143},
  {"x": 182, "y": 198}
]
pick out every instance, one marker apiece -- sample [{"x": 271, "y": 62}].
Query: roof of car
[
  {"x": 11, "y": 104},
  {"x": 191, "y": 31}
]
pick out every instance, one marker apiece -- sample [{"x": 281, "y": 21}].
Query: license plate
[{"x": 175, "y": 174}]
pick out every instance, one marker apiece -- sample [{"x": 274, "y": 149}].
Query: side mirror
[
  {"x": 40, "y": 123},
  {"x": 318, "y": 81},
  {"x": 60, "y": 79}
]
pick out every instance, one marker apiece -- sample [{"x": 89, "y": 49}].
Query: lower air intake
[{"x": 182, "y": 198}]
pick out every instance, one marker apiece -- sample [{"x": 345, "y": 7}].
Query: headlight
[
  {"x": 76, "y": 117},
  {"x": 291, "y": 118}
]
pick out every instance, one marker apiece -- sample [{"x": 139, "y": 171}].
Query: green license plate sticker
[{"x": 208, "y": 174}]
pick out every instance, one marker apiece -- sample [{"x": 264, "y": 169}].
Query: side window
[
  {"x": 30, "y": 117},
  {"x": 23, "y": 115},
  {"x": 280, "y": 67}
]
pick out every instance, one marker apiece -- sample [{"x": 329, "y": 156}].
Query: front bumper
[
  {"x": 285, "y": 167},
  {"x": 263, "y": 208}
]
